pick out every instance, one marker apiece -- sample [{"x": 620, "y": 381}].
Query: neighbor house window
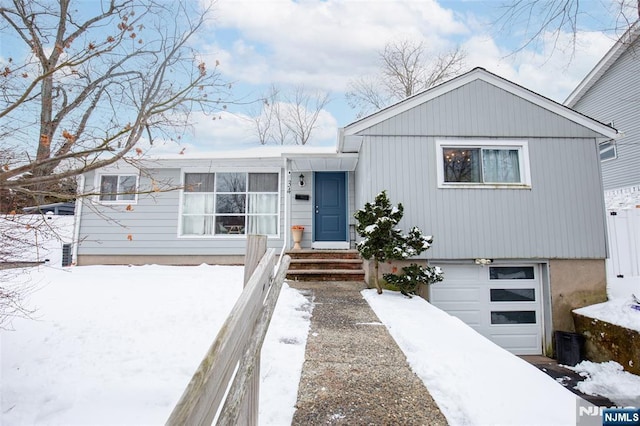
[
  {"x": 608, "y": 150},
  {"x": 118, "y": 187},
  {"x": 230, "y": 204},
  {"x": 464, "y": 163}
]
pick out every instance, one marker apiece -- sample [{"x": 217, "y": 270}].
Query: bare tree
[
  {"x": 288, "y": 118},
  {"x": 81, "y": 89},
  {"x": 404, "y": 71},
  {"x": 542, "y": 20},
  {"x": 302, "y": 113},
  {"x": 81, "y": 83}
]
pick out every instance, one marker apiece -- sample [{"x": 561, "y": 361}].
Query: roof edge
[
  {"x": 612, "y": 55},
  {"x": 479, "y": 73}
]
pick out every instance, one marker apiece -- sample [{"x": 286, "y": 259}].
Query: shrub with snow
[{"x": 382, "y": 240}]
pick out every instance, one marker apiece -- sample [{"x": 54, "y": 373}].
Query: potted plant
[{"x": 296, "y": 233}]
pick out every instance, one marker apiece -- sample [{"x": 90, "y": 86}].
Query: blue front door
[{"x": 330, "y": 194}]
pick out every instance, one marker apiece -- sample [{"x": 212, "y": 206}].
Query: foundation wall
[
  {"x": 86, "y": 260},
  {"x": 575, "y": 283}
]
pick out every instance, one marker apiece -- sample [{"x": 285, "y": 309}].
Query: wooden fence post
[{"x": 256, "y": 248}]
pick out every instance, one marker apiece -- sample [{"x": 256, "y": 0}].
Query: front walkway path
[{"x": 354, "y": 372}]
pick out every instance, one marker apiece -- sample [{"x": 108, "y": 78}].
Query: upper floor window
[
  {"x": 608, "y": 150},
  {"x": 230, "y": 204},
  {"x": 482, "y": 163},
  {"x": 118, "y": 188}
]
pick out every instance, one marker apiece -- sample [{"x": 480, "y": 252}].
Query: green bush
[{"x": 412, "y": 276}]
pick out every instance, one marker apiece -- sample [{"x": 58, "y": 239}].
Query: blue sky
[{"x": 322, "y": 44}]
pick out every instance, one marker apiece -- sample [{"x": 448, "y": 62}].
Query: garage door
[{"x": 501, "y": 302}]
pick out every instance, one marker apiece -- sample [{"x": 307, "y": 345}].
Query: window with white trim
[
  {"x": 483, "y": 163},
  {"x": 230, "y": 204},
  {"x": 115, "y": 188},
  {"x": 608, "y": 150}
]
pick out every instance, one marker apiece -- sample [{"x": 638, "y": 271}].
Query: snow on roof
[{"x": 257, "y": 152}]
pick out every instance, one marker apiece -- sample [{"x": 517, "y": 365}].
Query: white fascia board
[{"x": 484, "y": 75}]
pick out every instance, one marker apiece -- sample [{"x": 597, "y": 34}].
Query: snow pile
[
  {"x": 616, "y": 311},
  {"x": 118, "y": 344},
  {"x": 473, "y": 381},
  {"x": 609, "y": 379}
]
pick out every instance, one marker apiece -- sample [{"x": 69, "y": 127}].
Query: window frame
[
  {"x": 522, "y": 146},
  {"x": 614, "y": 148},
  {"x": 118, "y": 200},
  {"x": 215, "y": 193}
]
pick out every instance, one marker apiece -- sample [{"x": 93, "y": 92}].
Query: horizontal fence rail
[{"x": 225, "y": 385}]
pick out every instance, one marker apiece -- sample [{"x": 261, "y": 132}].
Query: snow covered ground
[{"x": 118, "y": 344}]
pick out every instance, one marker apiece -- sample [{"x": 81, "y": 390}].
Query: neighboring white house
[
  {"x": 611, "y": 93},
  {"x": 506, "y": 180}
]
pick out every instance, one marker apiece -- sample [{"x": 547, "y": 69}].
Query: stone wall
[{"x": 609, "y": 342}]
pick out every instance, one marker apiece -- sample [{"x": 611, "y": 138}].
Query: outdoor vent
[{"x": 67, "y": 257}]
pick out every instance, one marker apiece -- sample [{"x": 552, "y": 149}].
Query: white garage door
[{"x": 501, "y": 302}]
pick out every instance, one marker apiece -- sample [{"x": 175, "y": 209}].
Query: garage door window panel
[
  {"x": 513, "y": 317},
  {"x": 511, "y": 273},
  {"x": 513, "y": 295}
]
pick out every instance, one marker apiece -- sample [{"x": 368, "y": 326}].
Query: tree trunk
[{"x": 377, "y": 281}]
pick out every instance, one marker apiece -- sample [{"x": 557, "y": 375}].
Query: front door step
[{"x": 325, "y": 265}]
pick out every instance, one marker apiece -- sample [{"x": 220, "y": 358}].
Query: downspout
[
  {"x": 76, "y": 223},
  {"x": 287, "y": 201}
]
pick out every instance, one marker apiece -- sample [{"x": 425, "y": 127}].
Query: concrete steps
[{"x": 325, "y": 265}]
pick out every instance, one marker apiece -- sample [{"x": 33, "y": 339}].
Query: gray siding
[
  {"x": 479, "y": 109},
  {"x": 616, "y": 97},
  {"x": 153, "y": 224},
  {"x": 302, "y": 210},
  {"x": 561, "y": 216}
]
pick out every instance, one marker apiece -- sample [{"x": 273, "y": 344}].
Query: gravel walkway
[{"x": 354, "y": 373}]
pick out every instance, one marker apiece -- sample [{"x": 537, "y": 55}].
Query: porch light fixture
[
  {"x": 301, "y": 182},
  {"x": 483, "y": 261}
]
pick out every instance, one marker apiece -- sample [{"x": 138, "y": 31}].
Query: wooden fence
[
  {"x": 225, "y": 387},
  {"x": 623, "y": 227}
]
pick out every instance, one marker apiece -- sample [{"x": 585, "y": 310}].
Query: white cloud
[
  {"x": 324, "y": 43},
  {"x": 552, "y": 73}
]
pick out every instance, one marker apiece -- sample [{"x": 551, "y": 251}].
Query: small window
[
  {"x": 608, "y": 150},
  {"x": 118, "y": 187},
  {"x": 483, "y": 163}
]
